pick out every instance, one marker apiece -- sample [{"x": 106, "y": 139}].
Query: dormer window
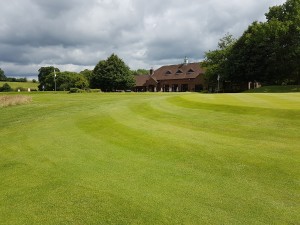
[
  {"x": 179, "y": 72},
  {"x": 168, "y": 72},
  {"x": 190, "y": 71}
]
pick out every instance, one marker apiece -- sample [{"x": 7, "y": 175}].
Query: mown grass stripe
[{"x": 152, "y": 158}]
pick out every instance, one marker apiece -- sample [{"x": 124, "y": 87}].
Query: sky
[{"x": 74, "y": 35}]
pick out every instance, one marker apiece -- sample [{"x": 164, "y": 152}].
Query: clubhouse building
[{"x": 173, "y": 78}]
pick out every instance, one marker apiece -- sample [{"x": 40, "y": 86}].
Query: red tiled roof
[
  {"x": 181, "y": 71},
  {"x": 140, "y": 80}
]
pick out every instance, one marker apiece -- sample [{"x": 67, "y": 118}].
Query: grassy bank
[
  {"x": 276, "y": 89},
  {"x": 22, "y": 85},
  {"x": 152, "y": 158}
]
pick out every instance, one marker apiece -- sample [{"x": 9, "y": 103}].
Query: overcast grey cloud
[{"x": 74, "y": 34}]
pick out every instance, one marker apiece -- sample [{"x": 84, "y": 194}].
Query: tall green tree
[
  {"x": 112, "y": 74},
  {"x": 43, "y": 77},
  {"x": 65, "y": 80},
  {"x": 215, "y": 62},
  {"x": 269, "y": 51},
  {"x": 255, "y": 55},
  {"x": 2, "y": 75},
  {"x": 288, "y": 15},
  {"x": 87, "y": 74}
]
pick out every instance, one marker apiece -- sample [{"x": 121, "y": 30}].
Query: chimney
[
  {"x": 151, "y": 71},
  {"x": 186, "y": 61}
]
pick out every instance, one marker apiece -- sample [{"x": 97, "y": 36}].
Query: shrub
[
  {"x": 5, "y": 88},
  {"x": 76, "y": 90}
]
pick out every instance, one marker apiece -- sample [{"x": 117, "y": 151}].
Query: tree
[
  {"x": 5, "y": 88},
  {"x": 248, "y": 57},
  {"x": 43, "y": 76},
  {"x": 80, "y": 81},
  {"x": 87, "y": 74},
  {"x": 269, "y": 51},
  {"x": 139, "y": 72},
  {"x": 112, "y": 74},
  {"x": 288, "y": 15},
  {"x": 65, "y": 81},
  {"x": 2, "y": 76},
  {"x": 215, "y": 62}
]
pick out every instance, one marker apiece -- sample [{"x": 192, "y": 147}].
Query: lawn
[
  {"x": 151, "y": 158},
  {"x": 21, "y": 85}
]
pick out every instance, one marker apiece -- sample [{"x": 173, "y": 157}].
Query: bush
[
  {"x": 5, "y": 88},
  {"x": 76, "y": 90}
]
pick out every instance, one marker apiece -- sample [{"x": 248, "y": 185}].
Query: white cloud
[{"x": 76, "y": 34}]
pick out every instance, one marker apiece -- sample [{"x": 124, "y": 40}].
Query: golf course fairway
[{"x": 151, "y": 158}]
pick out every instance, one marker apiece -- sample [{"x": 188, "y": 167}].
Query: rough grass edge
[{"x": 7, "y": 100}]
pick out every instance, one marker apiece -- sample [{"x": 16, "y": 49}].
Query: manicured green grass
[
  {"x": 276, "y": 89},
  {"x": 151, "y": 158},
  {"x": 24, "y": 85}
]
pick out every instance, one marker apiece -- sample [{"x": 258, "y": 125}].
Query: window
[
  {"x": 178, "y": 72},
  {"x": 168, "y": 72},
  {"x": 190, "y": 71}
]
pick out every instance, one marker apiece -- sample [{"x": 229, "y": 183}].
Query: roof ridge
[{"x": 180, "y": 64}]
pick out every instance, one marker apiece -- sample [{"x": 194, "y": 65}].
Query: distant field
[
  {"x": 151, "y": 158},
  {"x": 24, "y": 85}
]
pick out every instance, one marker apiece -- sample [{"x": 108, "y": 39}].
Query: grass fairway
[{"x": 152, "y": 158}]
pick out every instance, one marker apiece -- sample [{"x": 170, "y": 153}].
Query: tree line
[
  {"x": 268, "y": 52},
  {"x": 10, "y": 79},
  {"x": 108, "y": 75}
]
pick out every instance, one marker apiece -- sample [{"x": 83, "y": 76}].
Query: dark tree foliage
[
  {"x": 216, "y": 61},
  {"x": 140, "y": 72},
  {"x": 2, "y": 76},
  {"x": 267, "y": 51},
  {"x": 112, "y": 74},
  {"x": 5, "y": 88},
  {"x": 87, "y": 74},
  {"x": 13, "y": 79},
  {"x": 43, "y": 76},
  {"x": 65, "y": 81}
]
